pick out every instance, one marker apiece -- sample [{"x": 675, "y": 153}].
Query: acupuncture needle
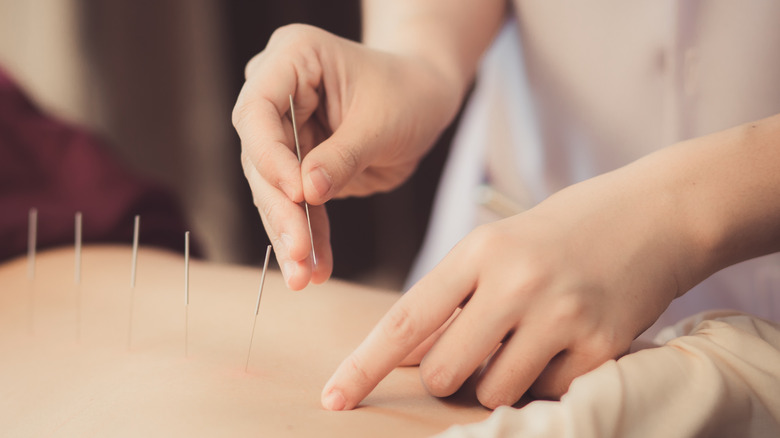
[
  {"x": 77, "y": 270},
  {"x": 32, "y": 237},
  {"x": 257, "y": 306},
  {"x": 300, "y": 159},
  {"x": 136, "y": 227},
  {"x": 186, "y": 290},
  {"x": 77, "y": 248}
]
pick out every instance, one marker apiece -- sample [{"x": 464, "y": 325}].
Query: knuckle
[
  {"x": 350, "y": 158},
  {"x": 284, "y": 33},
  {"x": 488, "y": 241},
  {"x": 477, "y": 246},
  {"x": 269, "y": 206},
  {"x": 291, "y": 34},
  {"x": 440, "y": 380},
  {"x": 357, "y": 371},
  {"x": 262, "y": 157},
  {"x": 246, "y": 160},
  {"x": 251, "y": 65},
  {"x": 604, "y": 345},
  {"x": 239, "y": 114},
  {"x": 248, "y": 167},
  {"x": 533, "y": 277},
  {"x": 484, "y": 238},
  {"x": 568, "y": 310},
  {"x": 297, "y": 43},
  {"x": 251, "y": 174},
  {"x": 243, "y": 114},
  {"x": 400, "y": 325}
]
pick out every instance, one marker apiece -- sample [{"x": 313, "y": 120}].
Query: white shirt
[{"x": 570, "y": 90}]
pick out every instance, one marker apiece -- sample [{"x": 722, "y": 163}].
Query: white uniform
[{"x": 571, "y": 90}]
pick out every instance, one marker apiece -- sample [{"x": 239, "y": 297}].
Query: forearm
[
  {"x": 739, "y": 188},
  {"x": 450, "y": 35},
  {"x": 727, "y": 188}
]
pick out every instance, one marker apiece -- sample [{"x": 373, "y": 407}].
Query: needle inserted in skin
[
  {"x": 32, "y": 237},
  {"x": 77, "y": 271},
  {"x": 257, "y": 306},
  {"x": 186, "y": 290},
  {"x": 136, "y": 226},
  {"x": 300, "y": 159}
]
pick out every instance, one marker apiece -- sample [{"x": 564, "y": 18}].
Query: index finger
[
  {"x": 259, "y": 115},
  {"x": 263, "y": 130},
  {"x": 411, "y": 320},
  {"x": 260, "y": 118}
]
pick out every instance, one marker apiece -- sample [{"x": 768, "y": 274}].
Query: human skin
[
  {"x": 569, "y": 284},
  {"x": 71, "y": 365},
  {"x": 372, "y": 110},
  {"x": 555, "y": 291}
]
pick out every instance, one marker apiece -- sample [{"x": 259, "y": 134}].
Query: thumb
[{"x": 328, "y": 168}]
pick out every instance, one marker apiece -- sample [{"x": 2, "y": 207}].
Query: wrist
[
  {"x": 667, "y": 208},
  {"x": 438, "y": 86},
  {"x": 450, "y": 37}
]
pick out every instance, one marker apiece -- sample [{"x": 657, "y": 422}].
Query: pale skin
[{"x": 544, "y": 296}]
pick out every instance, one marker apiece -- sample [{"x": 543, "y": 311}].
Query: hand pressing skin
[
  {"x": 372, "y": 115},
  {"x": 548, "y": 288},
  {"x": 552, "y": 293}
]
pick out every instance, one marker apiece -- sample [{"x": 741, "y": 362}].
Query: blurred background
[{"x": 158, "y": 80}]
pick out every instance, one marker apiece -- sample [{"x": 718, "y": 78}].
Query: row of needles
[{"x": 78, "y": 230}]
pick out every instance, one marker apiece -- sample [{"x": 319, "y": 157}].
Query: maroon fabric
[{"x": 60, "y": 169}]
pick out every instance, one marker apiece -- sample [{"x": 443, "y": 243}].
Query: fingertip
[
  {"x": 297, "y": 249},
  {"x": 296, "y": 274},
  {"x": 288, "y": 271},
  {"x": 495, "y": 400},
  {"x": 320, "y": 276},
  {"x": 323, "y": 269},
  {"x": 333, "y": 400}
]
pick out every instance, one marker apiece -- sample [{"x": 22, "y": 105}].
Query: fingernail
[
  {"x": 288, "y": 270},
  {"x": 321, "y": 181},
  {"x": 334, "y": 401}
]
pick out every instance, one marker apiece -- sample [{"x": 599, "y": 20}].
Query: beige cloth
[{"x": 719, "y": 378}]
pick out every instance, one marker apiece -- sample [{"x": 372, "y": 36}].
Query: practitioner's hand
[
  {"x": 370, "y": 114},
  {"x": 546, "y": 296}
]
